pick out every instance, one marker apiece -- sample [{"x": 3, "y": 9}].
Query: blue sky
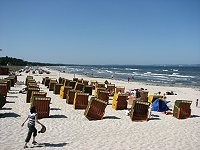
[{"x": 101, "y": 31}]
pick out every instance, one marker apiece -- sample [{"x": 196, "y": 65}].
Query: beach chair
[
  {"x": 80, "y": 81},
  {"x": 33, "y": 85},
  {"x": 75, "y": 79},
  {"x": 72, "y": 84},
  {"x": 63, "y": 81},
  {"x": 93, "y": 83},
  {"x": 119, "y": 101},
  {"x": 27, "y": 78},
  {"x": 144, "y": 96},
  {"x": 64, "y": 90},
  {"x": 66, "y": 82},
  {"x": 104, "y": 96},
  {"x": 120, "y": 89},
  {"x": 111, "y": 89},
  {"x": 47, "y": 81},
  {"x": 7, "y": 82},
  {"x": 79, "y": 86},
  {"x": 72, "y": 93},
  {"x": 57, "y": 87},
  {"x": 36, "y": 94},
  {"x": 3, "y": 89},
  {"x": 81, "y": 100},
  {"x": 139, "y": 111},
  {"x": 30, "y": 81},
  {"x": 29, "y": 93},
  {"x": 52, "y": 84},
  {"x": 2, "y": 101},
  {"x": 88, "y": 89},
  {"x": 42, "y": 106},
  {"x": 182, "y": 109},
  {"x": 12, "y": 80},
  {"x": 95, "y": 109},
  {"x": 100, "y": 85},
  {"x": 85, "y": 82},
  {"x": 152, "y": 98},
  {"x": 60, "y": 80},
  {"x": 97, "y": 91}
]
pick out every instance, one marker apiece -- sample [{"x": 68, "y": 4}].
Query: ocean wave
[
  {"x": 131, "y": 69},
  {"x": 147, "y": 73},
  {"x": 109, "y": 71},
  {"x": 180, "y": 76}
]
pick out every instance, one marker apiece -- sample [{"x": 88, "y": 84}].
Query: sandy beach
[{"x": 68, "y": 128}]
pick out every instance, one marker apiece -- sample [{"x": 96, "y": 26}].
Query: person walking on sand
[
  {"x": 197, "y": 102},
  {"x": 32, "y": 118}
]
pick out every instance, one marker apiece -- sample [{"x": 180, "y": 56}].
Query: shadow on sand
[
  {"x": 111, "y": 117},
  {"x": 10, "y": 102},
  {"x": 57, "y": 116},
  {"x": 55, "y": 109},
  {"x": 6, "y": 109},
  {"x": 51, "y": 145},
  {"x": 194, "y": 116},
  {"x": 154, "y": 119},
  {"x": 12, "y": 96},
  {"x": 9, "y": 115}
]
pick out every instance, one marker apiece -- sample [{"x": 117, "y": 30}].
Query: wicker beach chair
[
  {"x": 42, "y": 106},
  {"x": 81, "y": 100},
  {"x": 93, "y": 83},
  {"x": 119, "y": 89},
  {"x": 66, "y": 82},
  {"x": 139, "y": 111},
  {"x": 88, "y": 89},
  {"x": 52, "y": 84},
  {"x": 79, "y": 86},
  {"x": 72, "y": 84},
  {"x": 57, "y": 87},
  {"x": 72, "y": 93},
  {"x": 119, "y": 101},
  {"x": 100, "y": 85},
  {"x": 3, "y": 89},
  {"x": 104, "y": 96},
  {"x": 36, "y": 94},
  {"x": 75, "y": 79},
  {"x": 144, "y": 96},
  {"x": 95, "y": 109},
  {"x": 29, "y": 93},
  {"x": 85, "y": 82},
  {"x": 7, "y": 82},
  {"x": 64, "y": 90},
  {"x": 47, "y": 81},
  {"x": 182, "y": 109},
  {"x": 97, "y": 91},
  {"x": 27, "y": 78},
  {"x": 111, "y": 89},
  {"x": 12, "y": 79}
]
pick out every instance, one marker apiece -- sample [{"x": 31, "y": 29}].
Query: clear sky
[{"x": 101, "y": 31}]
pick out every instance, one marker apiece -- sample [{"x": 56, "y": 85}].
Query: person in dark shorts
[
  {"x": 32, "y": 118},
  {"x": 197, "y": 103}
]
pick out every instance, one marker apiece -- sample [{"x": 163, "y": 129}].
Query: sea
[{"x": 173, "y": 75}]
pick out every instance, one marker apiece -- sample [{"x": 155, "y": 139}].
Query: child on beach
[{"x": 32, "y": 118}]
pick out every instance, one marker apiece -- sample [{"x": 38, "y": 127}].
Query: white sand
[{"x": 70, "y": 129}]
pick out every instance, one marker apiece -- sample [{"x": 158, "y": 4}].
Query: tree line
[{"x": 10, "y": 61}]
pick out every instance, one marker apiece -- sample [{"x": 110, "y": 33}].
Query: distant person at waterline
[{"x": 197, "y": 102}]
